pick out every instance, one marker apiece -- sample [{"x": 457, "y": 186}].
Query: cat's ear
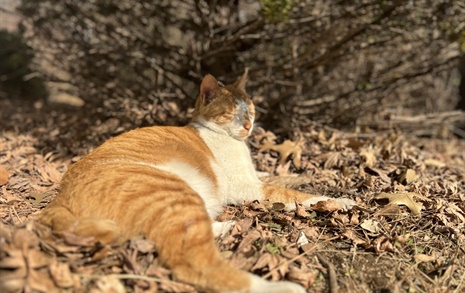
[
  {"x": 207, "y": 88},
  {"x": 240, "y": 83}
]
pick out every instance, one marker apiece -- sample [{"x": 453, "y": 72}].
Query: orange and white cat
[{"x": 170, "y": 183}]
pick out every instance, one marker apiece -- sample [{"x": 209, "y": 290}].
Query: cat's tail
[{"x": 61, "y": 220}]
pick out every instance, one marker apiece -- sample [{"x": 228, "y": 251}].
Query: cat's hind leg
[{"x": 61, "y": 220}]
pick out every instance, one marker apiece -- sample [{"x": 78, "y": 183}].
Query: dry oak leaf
[
  {"x": 420, "y": 257},
  {"x": 382, "y": 174},
  {"x": 331, "y": 159},
  {"x": 260, "y": 134},
  {"x": 352, "y": 235},
  {"x": 407, "y": 199},
  {"x": 408, "y": 176},
  {"x": 369, "y": 154},
  {"x": 382, "y": 244},
  {"x": 300, "y": 211},
  {"x": 402, "y": 239},
  {"x": 107, "y": 284},
  {"x": 404, "y": 175},
  {"x": 285, "y": 149},
  {"x": 389, "y": 211},
  {"x": 452, "y": 208},
  {"x": 371, "y": 226}
]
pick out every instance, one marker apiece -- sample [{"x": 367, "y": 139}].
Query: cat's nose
[{"x": 247, "y": 125}]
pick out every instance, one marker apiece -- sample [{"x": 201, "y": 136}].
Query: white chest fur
[{"x": 238, "y": 181}]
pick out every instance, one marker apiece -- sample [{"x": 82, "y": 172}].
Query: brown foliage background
[{"x": 342, "y": 63}]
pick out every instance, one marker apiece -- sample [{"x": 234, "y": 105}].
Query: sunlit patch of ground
[{"x": 413, "y": 239}]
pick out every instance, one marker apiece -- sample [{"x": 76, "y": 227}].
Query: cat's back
[
  {"x": 178, "y": 150},
  {"x": 154, "y": 145}
]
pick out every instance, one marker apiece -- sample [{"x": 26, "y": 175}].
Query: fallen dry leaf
[
  {"x": 262, "y": 134},
  {"x": 453, "y": 209},
  {"x": 39, "y": 281},
  {"x": 61, "y": 274},
  {"x": 351, "y": 235},
  {"x": 101, "y": 254},
  {"x": 330, "y": 159},
  {"x": 37, "y": 259},
  {"x": 25, "y": 238},
  {"x": 382, "y": 244},
  {"x": 420, "y": 257},
  {"x": 285, "y": 149},
  {"x": 13, "y": 263},
  {"x": 108, "y": 284},
  {"x": 301, "y": 212},
  {"x": 273, "y": 263},
  {"x": 371, "y": 226},
  {"x": 36, "y": 198},
  {"x": 243, "y": 225},
  {"x": 408, "y": 176},
  {"x": 341, "y": 218},
  {"x": 369, "y": 154},
  {"x": 312, "y": 232},
  {"x": 11, "y": 284},
  {"x": 258, "y": 206},
  {"x": 389, "y": 210},
  {"x": 283, "y": 170},
  {"x": 303, "y": 275},
  {"x": 382, "y": 174},
  {"x": 143, "y": 245},
  {"x": 404, "y": 175},
  {"x": 402, "y": 239},
  {"x": 406, "y": 199},
  {"x": 302, "y": 239},
  {"x": 354, "y": 220}
]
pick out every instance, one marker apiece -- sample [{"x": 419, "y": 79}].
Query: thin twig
[
  {"x": 332, "y": 282},
  {"x": 16, "y": 214}
]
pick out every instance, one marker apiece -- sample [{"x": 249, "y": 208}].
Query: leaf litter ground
[{"x": 406, "y": 233}]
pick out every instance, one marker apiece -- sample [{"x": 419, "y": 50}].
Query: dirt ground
[{"x": 406, "y": 233}]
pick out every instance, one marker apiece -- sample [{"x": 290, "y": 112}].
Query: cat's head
[{"x": 225, "y": 108}]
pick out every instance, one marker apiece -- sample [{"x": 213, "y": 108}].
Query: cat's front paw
[{"x": 344, "y": 204}]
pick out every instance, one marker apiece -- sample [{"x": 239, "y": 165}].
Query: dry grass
[{"x": 376, "y": 247}]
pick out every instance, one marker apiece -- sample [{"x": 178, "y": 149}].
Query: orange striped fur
[{"x": 169, "y": 184}]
